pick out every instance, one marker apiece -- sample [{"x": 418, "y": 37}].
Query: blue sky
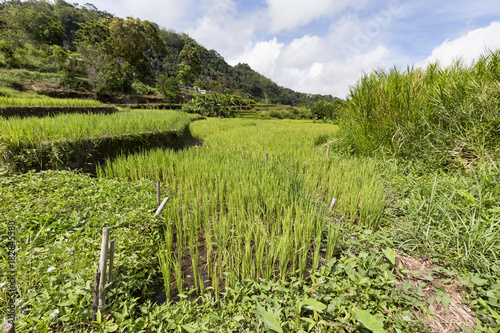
[{"x": 324, "y": 46}]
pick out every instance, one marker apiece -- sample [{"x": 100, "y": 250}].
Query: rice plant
[
  {"x": 16, "y": 132},
  {"x": 235, "y": 215},
  {"x": 46, "y": 101}
]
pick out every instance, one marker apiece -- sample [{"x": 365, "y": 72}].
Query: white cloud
[
  {"x": 166, "y": 13},
  {"x": 226, "y": 36},
  {"x": 261, "y": 56},
  {"x": 302, "y": 51},
  {"x": 468, "y": 47},
  {"x": 220, "y": 28},
  {"x": 312, "y": 64},
  {"x": 290, "y": 14},
  {"x": 336, "y": 75}
]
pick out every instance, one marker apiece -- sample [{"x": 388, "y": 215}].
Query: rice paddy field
[
  {"x": 70, "y": 127},
  {"x": 265, "y": 219},
  {"x": 271, "y": 225}
]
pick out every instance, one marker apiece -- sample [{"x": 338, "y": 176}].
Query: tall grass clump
[
  {"x": 442, "y": 115},
  {"x": 450, "y": 216},
  {"x": 234, "y": 216}
]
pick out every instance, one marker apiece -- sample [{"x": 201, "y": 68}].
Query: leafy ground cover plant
[
  {"x": 452, "y": 219},
  {"x": 58, "y": 218}
]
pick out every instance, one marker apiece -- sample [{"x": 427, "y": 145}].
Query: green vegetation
[
  {"x": 92, "y": 50},
  {"x": 396, "y": 230},
  {"x": 440, "y": 116},
  {"x": 115, "y": 51},
  {"x": 46, "y": 101},
  {"x": 216, "y": 105},
  {"x": 77, "y": 140},
  {"x": 17, "y": 132},
  {"x": 256, "y": 226},
  {"x": 59, "y": 218},
  {"x": 328, "y": 110},
  {"x": 190, "y": 67}
]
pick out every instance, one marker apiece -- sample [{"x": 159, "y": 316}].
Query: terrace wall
[{"x": 87, "y": 154}]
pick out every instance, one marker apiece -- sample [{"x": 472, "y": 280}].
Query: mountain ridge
[{"x": 42, "y": 36}]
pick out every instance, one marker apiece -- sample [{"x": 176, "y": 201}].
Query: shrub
[{"x": 326, "y": 110}]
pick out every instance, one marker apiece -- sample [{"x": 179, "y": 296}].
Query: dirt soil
[{"x": 450, "y": 319}]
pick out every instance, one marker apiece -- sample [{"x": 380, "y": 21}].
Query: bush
[
  {"x": 216, "y": 105},
  {"x": 142, "y": 89},
  {"x": 291, "y": 113},
  {"x": 168, "y": 88},
  {"x": 326, "y": 110}
]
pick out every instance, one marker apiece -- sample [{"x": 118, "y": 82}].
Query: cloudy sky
[{"x": 324, "y": 46}]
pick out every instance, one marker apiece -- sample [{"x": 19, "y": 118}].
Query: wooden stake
[
  {"x": 162, "y": 206},
  {"x": 158, "y": 199},
  {"x": 332, "y": 204},
  {"x": 327, "y": 151},
  {"x": 97, "y": 277},
  {"x": 266, "y": 158},
  {"x": 102, "y": 266},
  {"x": 8, "y": 326},
  {"x": 111, "y": 258}
]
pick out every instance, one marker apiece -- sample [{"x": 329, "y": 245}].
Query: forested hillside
[{"x": 93, "y": 50}]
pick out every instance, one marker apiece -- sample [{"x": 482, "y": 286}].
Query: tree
[
  {"x": 117, "y": 50},
  {"x": 190, "y": 67},
  {"x": 168, "y": 87},
  {"x": 40, "y": 27}
]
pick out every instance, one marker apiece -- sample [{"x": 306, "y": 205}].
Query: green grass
[
  {"x": 453, "y": 217},
  {"x": 445, "y": 116},
  {"x": 16, "y": 132},
  {"x": 46, "y": 101},
  {"x": 59, "y": 218}
]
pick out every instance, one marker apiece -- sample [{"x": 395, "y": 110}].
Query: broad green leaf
[
  {"x": 112, "y": 328},
  {"x": 313, "y": 304},
  {"x": 369, "y": 321},
  {"x": 442, "y": 297},
  {"x": 269, "y": 320},
  {"x": 390, "y": 255},
  {"x": 478, "y": 281},
  {"x": 189, "y": 328}
]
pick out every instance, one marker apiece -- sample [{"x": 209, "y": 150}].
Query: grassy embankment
[{"x": 83, "y": 140}]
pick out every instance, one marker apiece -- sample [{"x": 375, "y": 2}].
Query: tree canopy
[{"x": 96, "y": 50}]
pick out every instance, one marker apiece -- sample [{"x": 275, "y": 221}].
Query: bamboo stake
[
  {"x": 327, "y": 151},
  {"x": 111, "y": 258},
  {"x": 97, "y": 276},
  {"x": 162, "y": 206},
  {"x": 102, "y": 266},
  {"x": 266, "y": 158},
  {"x": 332, "y": 204},
  {"x": 158, "y": 199},
  {"x": 8, "y": 326}
]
